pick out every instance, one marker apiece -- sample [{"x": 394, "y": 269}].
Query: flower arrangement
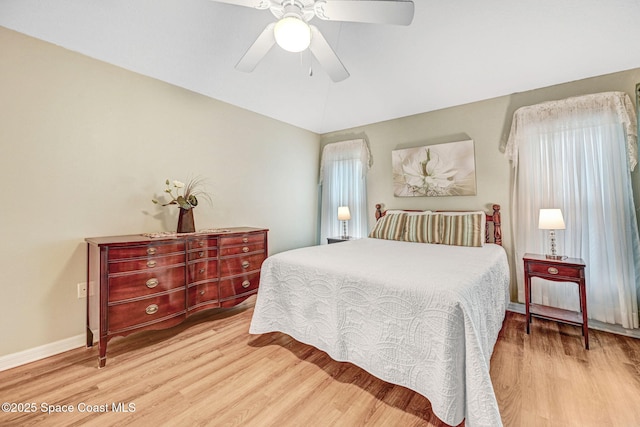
[{"x": 186, "y": 195}]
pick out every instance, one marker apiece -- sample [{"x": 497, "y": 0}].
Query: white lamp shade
[
  {"x": 343, "y": 213},
  {"x": 292, "y": 34},
  {"x": 551, "y": 219}
]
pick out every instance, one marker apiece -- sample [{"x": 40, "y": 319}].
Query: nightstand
[
  {"x": 564, "y": 270},
  {"x": 339, "y": 239}
]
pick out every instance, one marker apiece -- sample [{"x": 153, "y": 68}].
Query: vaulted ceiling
[{"x": 454, "y": 52}]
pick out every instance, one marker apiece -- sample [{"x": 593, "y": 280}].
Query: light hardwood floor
[{"x": 210, "y": 371}]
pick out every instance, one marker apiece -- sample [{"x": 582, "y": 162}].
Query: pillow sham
[
  {"x": 456, "y": 213},
  {"x": 423, "y": 229},
  {"x": 463, "y": 229},
  {"x": 390, "y": 227}
]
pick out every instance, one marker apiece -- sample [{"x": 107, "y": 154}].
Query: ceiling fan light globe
[{"x": 292, "y": 34}]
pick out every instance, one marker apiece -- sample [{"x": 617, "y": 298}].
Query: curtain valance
[
  {"x": 576, "y": 112},
  {"x": 355, "y": 149}
]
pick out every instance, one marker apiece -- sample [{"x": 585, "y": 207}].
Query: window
[
  {"x": 577, "y": 155},
  {"x": 343, "y": 176}
]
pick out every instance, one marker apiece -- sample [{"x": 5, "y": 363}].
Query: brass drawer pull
[
  {"x": 245, "y": 240},
  {"x": 201, "y": 254},
  {"x": 245, "y": 264},
  {"x": 152, "y": 251},
  {"x": 152, "y": 283},
  {"x": 152, "y": 309},
  {"x": 552, "y": 270},
  {"x": 245, "y": 249},
  {"x": 202, "y": 292},
  {"x": 201, "y": 271},
  {"x": 246, "y": 284},
  {"x": 151, "y": 263},
  {"x": 201, "y": 243}
]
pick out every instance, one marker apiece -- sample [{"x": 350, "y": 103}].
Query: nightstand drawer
[{"x": 554, "y": 271}]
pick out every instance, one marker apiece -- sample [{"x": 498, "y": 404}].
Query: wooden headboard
[{"x": 493, "y": 217}]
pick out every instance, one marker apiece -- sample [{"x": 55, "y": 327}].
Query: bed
[{"x": 411, "y": 304}]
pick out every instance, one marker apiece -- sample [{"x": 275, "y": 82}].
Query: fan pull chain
[{"x": 302, "y": 60}]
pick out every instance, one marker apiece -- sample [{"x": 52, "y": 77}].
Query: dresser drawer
[
  {"x": 145, "y": 251},
  {"x": 240, "y": 264},
  {"x": 242, "y": 239},
  {"x": 202, "y": 254},
  {"x": 555, "y": 271},
  {"x": 202, "y": 242},
  {"x": 230, "y": 288},
  {"x": 148, "y": 263},
  {"x": 242, "y": 249},
  {"x": 204, "y": 270},
  {"x": 202, "y": 294},
  {"x": 138, "y": 313},
  {"x": 126, "y": 286}
]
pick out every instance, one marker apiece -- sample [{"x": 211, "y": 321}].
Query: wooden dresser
[{"x": 137, "y": 283}]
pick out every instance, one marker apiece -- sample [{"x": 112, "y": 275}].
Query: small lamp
[
  {"x": 551, "y": 219},
  {"x": 344, "y": 215}
]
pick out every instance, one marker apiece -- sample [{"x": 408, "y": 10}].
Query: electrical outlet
[{"x": 82, "y": 290}]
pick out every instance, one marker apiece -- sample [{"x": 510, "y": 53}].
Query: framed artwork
[{"x": 435, "y": 170}]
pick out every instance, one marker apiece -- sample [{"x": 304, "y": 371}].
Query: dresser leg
[{"x": 102, "y": 358}]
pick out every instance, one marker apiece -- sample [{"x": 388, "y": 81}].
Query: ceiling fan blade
[
  {"x": 374, "y": 12},
  {"x": 256, "y": 4},
  {"x": 326, "y": 56},
  {"x": 258, "y": 50}
]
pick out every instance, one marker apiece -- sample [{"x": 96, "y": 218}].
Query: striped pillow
[
  {"x": 390, "y": 227},
  {"x": 462, "y": 230},
  {"x": 423, "y": 229}
]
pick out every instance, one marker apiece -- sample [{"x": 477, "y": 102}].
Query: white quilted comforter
[{"x": 418, "y": 315}]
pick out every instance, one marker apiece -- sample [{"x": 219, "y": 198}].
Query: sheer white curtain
[
  {"x": 343, "y": 176},
  {"x": 577, "y": 155}
]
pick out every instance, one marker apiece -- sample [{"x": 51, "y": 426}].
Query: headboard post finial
[{"x": 378, "y": 211}]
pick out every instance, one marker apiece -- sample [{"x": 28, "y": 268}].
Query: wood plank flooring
[{"x": 210, "y": 371}]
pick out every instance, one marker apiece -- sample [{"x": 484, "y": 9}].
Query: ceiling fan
[{"x": 293, "y": 32}]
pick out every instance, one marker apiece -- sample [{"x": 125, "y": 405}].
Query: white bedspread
[{"x": 418, "y": 315}]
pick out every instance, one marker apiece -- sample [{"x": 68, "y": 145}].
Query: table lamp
[
  {"x": 344, "y": 215},
  {"x": 551, "y": 219}
]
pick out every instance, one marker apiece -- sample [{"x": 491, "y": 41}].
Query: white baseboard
[
  {"x": 517, "y": 307},
  {"x": 31, "y": 355}
]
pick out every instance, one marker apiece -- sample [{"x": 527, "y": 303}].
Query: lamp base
[{"x": 558, "y": 257}]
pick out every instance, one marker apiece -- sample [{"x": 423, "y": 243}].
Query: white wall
[{"x": 85, "y": 146}]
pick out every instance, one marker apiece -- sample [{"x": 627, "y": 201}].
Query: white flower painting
[{"x": 435, "y": 170}]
